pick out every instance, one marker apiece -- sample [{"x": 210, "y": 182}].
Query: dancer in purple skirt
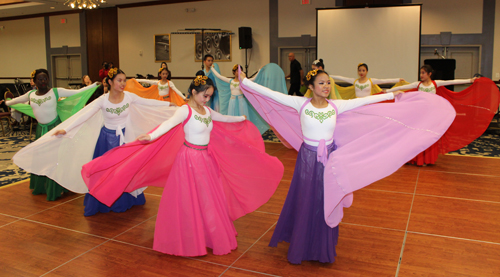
[{"x": 302, "y": 219}]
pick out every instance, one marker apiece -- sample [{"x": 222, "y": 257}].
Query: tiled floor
[{"x": 441, "y": 220}]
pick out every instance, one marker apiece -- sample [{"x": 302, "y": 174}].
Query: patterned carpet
[
  {"x": 488, "y": 145},
  {"x": 9, "y": 145},
  {"x": 269, "y": 136}
]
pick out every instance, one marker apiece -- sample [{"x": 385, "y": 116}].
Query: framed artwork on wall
[
  {"x": 162, "y": 48},
  {"x": 217, "y": 44}
]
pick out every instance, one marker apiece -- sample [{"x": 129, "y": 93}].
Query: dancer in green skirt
[{"x": 45, "y": 108}]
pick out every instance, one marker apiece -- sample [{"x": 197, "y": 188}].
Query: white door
[{"x": 66, "y": 70}]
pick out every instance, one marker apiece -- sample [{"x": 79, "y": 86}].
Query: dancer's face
[
  {"x": 202, "y": 97},
  {"x": 424, "y": 75},
  {"x": 362, "y": 71},
  {"x": 209, "y": 61},
  {"x": 118, "y": 83},
  {"x": 164, "y": 75},
  {"x": 42, "y": 81},
  {"x": 321, "y": 85},
  {"x": 86, "y": 80},
  {"x": 105, "y": 85}
]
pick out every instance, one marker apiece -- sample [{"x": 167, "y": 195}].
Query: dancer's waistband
[
  {"x": 236, "y": 96},
  {"x": 315, "y": 148},
  {"x": 50, "y": 123},
  {"x": 195, "y": 147},
  {"x": 111, "y": 131}
]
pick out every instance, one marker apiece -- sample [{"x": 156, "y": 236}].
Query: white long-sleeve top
[
  {"x": 317, "y": 124},
  {"x": 45, "y": 106},
  {"x": 430, "y": 88},
  {"x": 364, "y": 89},
  {"x": 234, "y": 84},
  {"x": 197, "y": 129},
  {"x": 115, "y": 115},
  {"x": 163, "y": 89}
]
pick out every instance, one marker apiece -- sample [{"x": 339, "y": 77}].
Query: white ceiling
[{"x": 49, "y": 6}]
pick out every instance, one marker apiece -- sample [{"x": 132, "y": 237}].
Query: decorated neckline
[
  {"x": 320, "y": 116},
  {"x": 204, "y": 120}
]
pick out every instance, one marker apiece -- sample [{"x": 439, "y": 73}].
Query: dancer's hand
[
  {"x": 144, "y": 137},
  {"x": 401, "y": 80},
  {"x": 473, "y": 79},
  {"x": 398, "y": 92},
  {"x": 245, "y": 117},
  {"x": 59, "y": 133},
  {"x": 243, "y": 75}
]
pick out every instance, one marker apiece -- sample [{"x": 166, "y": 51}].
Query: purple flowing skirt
[
  {"x": 302, "y": 221},
  {"x": 108, "y": 140}
]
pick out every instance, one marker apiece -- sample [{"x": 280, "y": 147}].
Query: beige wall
[
  {"x": 296, "y": 19},
  {"x": 456, "y": 16},
  {"x": 496, "y": 47},
  {"x": 137, "y": 27},
  {"x": 67, "y": 34},
  {"x": 22, "y": 44},
  {"x": 24, "y": 40}
]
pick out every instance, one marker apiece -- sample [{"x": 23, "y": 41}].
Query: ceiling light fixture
[{"x": 84, "y": 4}]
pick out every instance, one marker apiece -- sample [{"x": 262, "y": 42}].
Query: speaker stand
[{"x": 246, "y": 62}]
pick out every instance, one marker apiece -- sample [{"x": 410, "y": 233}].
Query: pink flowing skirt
[{"x": 193, "y": 211}]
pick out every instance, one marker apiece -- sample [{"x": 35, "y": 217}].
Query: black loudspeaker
[{"x": 245, "y": 35}]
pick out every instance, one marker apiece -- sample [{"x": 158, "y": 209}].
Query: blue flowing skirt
[
  {"x": 108, "y": 140},
  {"x": 238, "y": 106},
  {"x": 302, "y": 221}
]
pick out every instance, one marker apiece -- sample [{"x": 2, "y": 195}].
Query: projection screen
[{"x": 387, "y": 39}]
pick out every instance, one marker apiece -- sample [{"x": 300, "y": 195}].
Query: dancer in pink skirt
[{"x": 220, "y": 173}]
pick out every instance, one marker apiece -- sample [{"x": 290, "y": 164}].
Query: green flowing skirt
[{"x": 42, "y": 184}]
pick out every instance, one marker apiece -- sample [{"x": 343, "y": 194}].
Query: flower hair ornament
[
  {"x": 33, "y": 74},
  {"x": 311, "y": 74},
  {"x": 200, "y": 80},
  {"x": 160, "y": 70},
  {"x": 112, "y": 72},
  {"x": 360, "y": 64},
  {"x": 235, "y": 67}
]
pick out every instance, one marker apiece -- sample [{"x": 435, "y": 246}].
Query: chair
[
  {"x": 2, "y": 116},
  {"x": 6, "y": 114},
  {"x": 33, "y": 121}
]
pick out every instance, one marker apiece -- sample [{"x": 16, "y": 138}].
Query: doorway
[
  {"x": 66, "y": 70},
  {"x": 305, "y": 56}
]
